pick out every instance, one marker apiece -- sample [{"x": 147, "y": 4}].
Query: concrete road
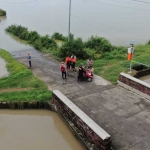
[{"x": 123, "y": 114}]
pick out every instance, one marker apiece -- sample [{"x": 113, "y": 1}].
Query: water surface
[
  {"x": 35, "y": 130},
  {"x": 145, "y": 78},
  {"x": 120, "y": 21}
]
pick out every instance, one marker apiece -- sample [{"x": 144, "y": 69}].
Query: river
[
  {"x": 120, "y": 21},
  {"x": 35, "y": 130}
]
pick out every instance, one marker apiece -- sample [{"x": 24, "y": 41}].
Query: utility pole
[{"x": 69, "y": 21}]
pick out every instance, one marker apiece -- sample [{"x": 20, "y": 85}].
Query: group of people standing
[{"x": 70, "y": 63}]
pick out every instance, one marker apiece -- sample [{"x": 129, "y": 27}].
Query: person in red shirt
[{"x": 63, "y": 70}]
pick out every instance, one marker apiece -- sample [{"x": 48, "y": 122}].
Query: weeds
[{"x": 21, "y": 77}]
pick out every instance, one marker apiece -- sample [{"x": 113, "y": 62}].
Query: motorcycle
[{"x": 88, "y": 76}]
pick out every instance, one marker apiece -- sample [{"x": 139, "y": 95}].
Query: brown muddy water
[
  {"x": 35, "y": 130},
  {"x": 145, "y": 79}
]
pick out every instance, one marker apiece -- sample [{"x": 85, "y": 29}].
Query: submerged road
[{"x": 122, "y": 113}]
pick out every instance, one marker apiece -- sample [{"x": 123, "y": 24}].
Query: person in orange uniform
[
  {"x": 68, "y": 62},
  {"x": 73, "y": 63}
]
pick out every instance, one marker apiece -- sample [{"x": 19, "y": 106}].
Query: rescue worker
[
  {"x": 68, "y": 62},
  {"x": 73, "y": 63}
]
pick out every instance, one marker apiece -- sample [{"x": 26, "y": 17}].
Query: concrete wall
[
  {"x": 134, "y": 84},
  {"x": 92, "y": 135}
]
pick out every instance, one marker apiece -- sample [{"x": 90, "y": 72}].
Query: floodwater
[
  {"x": 35, "y": 130},
  {"x": 120, "y": 21},
  {"x": 145, "y": 78}
]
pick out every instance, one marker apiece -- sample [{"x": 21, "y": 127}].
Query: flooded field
[
  {"x": 35, "y": 130},
  {"x": 118, "y": 21}
]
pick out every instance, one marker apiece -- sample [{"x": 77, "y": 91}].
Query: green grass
[
  {"x": 20, "y": 77},
  {"x": 110, "y": 69},
  {"x": 27, "y": 96}
]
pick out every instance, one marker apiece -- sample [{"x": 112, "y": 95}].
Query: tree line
[{"x": 57, "y": 44}]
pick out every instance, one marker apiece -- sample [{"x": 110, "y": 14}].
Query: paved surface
[{"x": 123, "y": 114}]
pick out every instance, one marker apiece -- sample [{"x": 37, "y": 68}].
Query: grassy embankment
[
  {"x": 109, "y": 60},
  {"x": 111, "y": 68},
  {"x": 21, "y": 85},
  {"x": 2, "y": 12}
]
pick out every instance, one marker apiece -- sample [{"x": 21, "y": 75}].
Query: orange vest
[
  {"x": 67, "y": 59},
  {"x": 73, "y": 60}
]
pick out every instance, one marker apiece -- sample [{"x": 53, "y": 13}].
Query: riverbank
[{"x": 109, "y": 60}]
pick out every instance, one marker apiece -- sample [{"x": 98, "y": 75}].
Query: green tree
[
  {"x": 99, "y": 44},
  {"x": 75, "y": 47}
]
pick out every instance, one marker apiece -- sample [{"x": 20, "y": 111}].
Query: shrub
[
  {"x": 44, "y": 42},
  {"x": 148, "y": 42},
  {"x": 75, "y": 47},
  {"x": 59, "y": 36},
  {"x": 99, "y": 44},
  {"x": 2, "y": 12},
  {"x": 90, "y": 53},
  {"x": 33, "y": 38}
]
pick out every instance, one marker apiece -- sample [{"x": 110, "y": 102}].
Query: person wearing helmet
[{"x": 73, "y": 62}]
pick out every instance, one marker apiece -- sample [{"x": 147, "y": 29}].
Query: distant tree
[{"x": 99, "y": 44}]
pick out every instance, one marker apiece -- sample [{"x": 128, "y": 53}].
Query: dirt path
[
  {"x": 123, "y": 114},
  {"x": 14, "y": 89}
]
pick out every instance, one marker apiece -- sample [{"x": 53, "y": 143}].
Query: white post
[
  {"x": 132, "y": 51},
  {"x": 130, "y": 66}
]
